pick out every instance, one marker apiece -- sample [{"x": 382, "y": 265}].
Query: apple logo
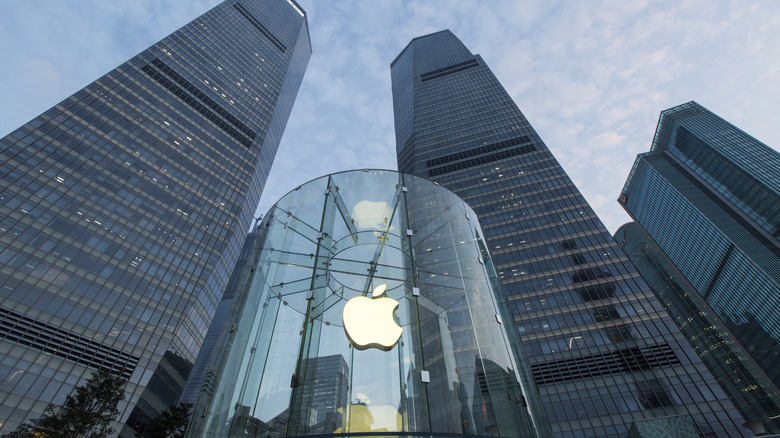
[{"x": 369, "y": 322}]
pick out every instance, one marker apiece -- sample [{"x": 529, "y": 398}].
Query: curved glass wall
[{"x": 370, "y": 307}]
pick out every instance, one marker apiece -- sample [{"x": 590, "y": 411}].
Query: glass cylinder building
[{"x": 368, "y": 306}]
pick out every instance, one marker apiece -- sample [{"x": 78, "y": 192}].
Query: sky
[{"x": 590, "y": 76}]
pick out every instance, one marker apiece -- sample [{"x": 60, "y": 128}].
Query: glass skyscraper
[
  {"x": 124, "y": 207},
  {"x": 199, "y": 374},
  {"x": 708, "y": 195},
  {"x": 755, "y": 396},
  {"x": 602, "y": 349}
]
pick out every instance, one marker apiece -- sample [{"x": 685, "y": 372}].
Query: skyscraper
[
  {"x": 603, "y": 351},
  {"x": 755, "y": 396},
  {"x": 124, "y": 208},
  {"x": 708, "y": 195},
  {"x": 199, "y": 376}
]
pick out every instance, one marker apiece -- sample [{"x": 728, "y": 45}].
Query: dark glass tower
[
  {"x": 603, "y": 351},
  {"x": 124, "y": 207},
  {"x": 199, "y": 374},
  {"x": 708, "y": 195},
  {"x": 755, "y": 396}
]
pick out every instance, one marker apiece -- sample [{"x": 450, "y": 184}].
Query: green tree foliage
[
  {"x": 86, "y": 414},
  {"x": 170, "y": 423}
]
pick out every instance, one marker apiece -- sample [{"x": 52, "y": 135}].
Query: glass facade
[
  {"x": 199, "y": 373},
  {"x": 707, "y": 194},
  {"x": 602, "y": 349},
  {"x": 124, "y": 208},
  {"x": 731, "y": 162},
  {"x": 368, "y": 306},
  {"x": 755, "y": 396},
  {"x": 671, "y": 427}
]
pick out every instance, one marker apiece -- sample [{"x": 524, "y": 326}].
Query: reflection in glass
[{"x": 290, "y": 365}]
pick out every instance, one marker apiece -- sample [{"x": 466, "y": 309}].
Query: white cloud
[
  {"x": 591, "y": 77},
  {"x": 607, "y": 140}
]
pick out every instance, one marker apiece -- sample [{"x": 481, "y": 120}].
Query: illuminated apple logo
[{"x": 369, "y": 322}]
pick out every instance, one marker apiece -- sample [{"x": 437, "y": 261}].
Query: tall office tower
[
  {"x": 708, "y": 195},
  {"x": 755, "y": 396},
  {"x": 124, "y": 207},
  {"x": 199, "y": 375},
  {"x": 603, "y": 351},
  {"x": 328, "y": 391}
]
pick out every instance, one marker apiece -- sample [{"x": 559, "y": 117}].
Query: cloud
[
  {"x": 607, "y": 140},
  {"x": 591, "y": 77},
  {"x": 41, "y": 73}
]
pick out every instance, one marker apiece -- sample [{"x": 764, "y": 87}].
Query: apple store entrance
[{"x": 369, "y": 307}]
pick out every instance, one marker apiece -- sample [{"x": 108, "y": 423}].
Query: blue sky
[{"x": 591, "y": 76}]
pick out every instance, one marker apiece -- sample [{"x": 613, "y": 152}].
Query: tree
[
  {"x": 86, "y": 414},
  {"x": 170, "y": 423},
  {"x": 23, "y": 431}
]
